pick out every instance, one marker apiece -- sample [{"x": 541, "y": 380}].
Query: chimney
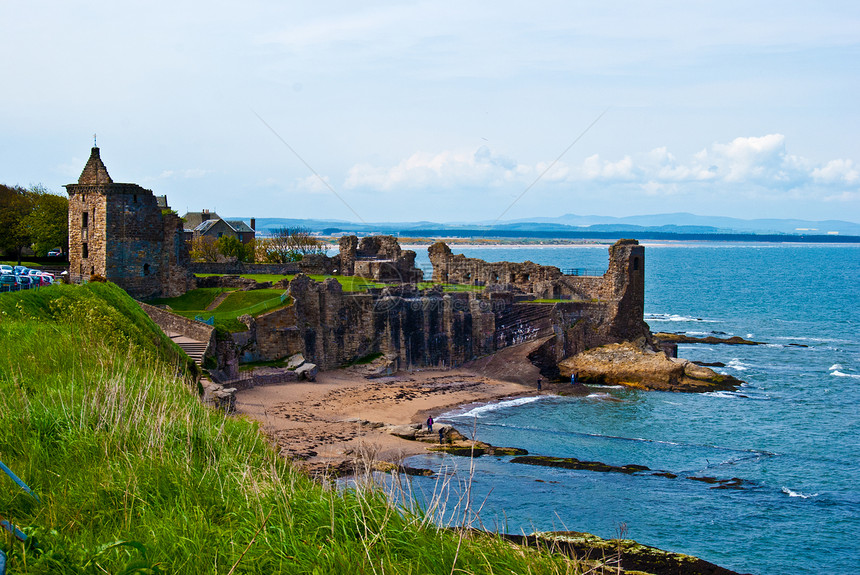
[
  {"x": 254, "y": 224},
  {"x": 205, "y": 215}
]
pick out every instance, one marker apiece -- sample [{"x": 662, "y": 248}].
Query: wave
[
  {"x": 791, "y": 493},
  {"x": 737, "y": 364},
  {"x": 838, "y": 373},
  {"x": 481, "y": 410},
  {"x": 835, "y": 367},
  {"x": 674, "y": 317},
  {"x": 727, "y": 394}
]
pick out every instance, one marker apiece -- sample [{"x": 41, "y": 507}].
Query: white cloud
[
  {"x": 191, "y": 173},
  {"x": 756, "y": 166},
  {"x": 313, "y": 185},
  {"x": 448, "y": 169},
  {"x": 837, "y": 171}
]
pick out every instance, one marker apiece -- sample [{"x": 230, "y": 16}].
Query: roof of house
[
  {"x": 240, "y": 226},
  {"x": 204, "y": 227},
  {"x": 193, "y": 219}
]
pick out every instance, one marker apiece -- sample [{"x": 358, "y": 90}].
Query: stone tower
[
  {"x": 123, "y": 233},
  {"x": 623, "y": 287}
]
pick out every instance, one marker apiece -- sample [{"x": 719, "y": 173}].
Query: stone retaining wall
[{"x": 177, "y": 324}]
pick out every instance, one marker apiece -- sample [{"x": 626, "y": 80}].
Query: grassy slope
[
  {"x": 97, "y": 417},
  {"x": 194, "y": 300}
]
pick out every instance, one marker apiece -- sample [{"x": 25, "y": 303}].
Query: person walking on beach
[{"x": 430, "y": 423}]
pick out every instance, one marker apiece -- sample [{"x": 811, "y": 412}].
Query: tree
[
  {"x": 291, "y": 245},
  {"x": 48, "y": 221},
  {"x": 15, "y": 205},
  {"x": 232, "y": 247},
  {"x": 204, "y": 249}
]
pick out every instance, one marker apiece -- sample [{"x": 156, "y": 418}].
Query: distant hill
[{"x": 571, "y": 224}]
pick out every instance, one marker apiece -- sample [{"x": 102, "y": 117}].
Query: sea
[{"x": 790, "y": 433}]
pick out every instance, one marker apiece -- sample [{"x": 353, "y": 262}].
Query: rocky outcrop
[
  {"x": 573, "y": 463},
  {"x": 635, "y": 364},
  {"x": 682, "y": 338},
  {"x": 619, "y": 555}
]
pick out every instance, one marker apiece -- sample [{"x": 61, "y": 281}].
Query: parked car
[
  {"x": 6, "y": 269},
  {"x": 18, "y": 270},
  {"x": 8, "y": 282},
  {"x": 55, "y": 253}
]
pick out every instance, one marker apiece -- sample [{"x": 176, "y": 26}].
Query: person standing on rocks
[
  {"x": 538, "y": 384},
  {"x": 430, "y": 423},
  {"x": 441, "y": 436}
]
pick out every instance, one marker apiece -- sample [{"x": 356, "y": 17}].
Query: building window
[
  {"x": 134, "y": 198},
  {"x": 635, "y": 264},
  {"x": 146, "y": 269},
  {"x": 85, "y": 251},
  {"x": 85, "y": 219}
]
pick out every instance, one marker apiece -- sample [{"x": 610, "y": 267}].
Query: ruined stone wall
[
  {"x": 318, "y": 264},
  {"x": 377, "y": 258},
  {"x": 458, "y": 269},
  {"x": 277, "y": 335},
  {"x": 134, "y": 238},
  {"x": 170, "y": 322},
  {"x": 240, "y": 268},
  {"x": 331, "y": 327}
]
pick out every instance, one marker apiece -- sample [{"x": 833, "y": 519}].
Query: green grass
[
  {"x": 349, "y": 283},
  {"x": 194, "y": 300},
  {"x": 256, "y": 277},
  {"x": 240, "y": 301},
  {"x": 98, "y": 415}
]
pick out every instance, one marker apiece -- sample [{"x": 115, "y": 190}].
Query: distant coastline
[{"x": 472, "y": 234}]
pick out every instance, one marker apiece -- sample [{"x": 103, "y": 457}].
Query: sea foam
[
  {"x": 481, "y": 410},
  {"x": 674, "y": 317},
  {"x": 791, "y": 493}
]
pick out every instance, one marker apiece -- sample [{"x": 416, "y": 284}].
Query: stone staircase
[
  {"x": 523, "y": 322},
  {"x": 195, "y": 349}
]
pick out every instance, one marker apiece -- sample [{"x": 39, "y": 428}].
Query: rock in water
[{"x": 641, "y": 367}]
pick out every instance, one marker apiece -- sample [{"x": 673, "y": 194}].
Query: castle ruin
[
  {"x": 126, "y": 234},
  {"x": 432, "y": 327}
]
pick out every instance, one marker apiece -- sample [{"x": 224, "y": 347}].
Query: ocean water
[{"x": 792, "y": 433}]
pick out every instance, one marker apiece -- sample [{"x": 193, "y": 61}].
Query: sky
[{"x": 442, "y": 111}]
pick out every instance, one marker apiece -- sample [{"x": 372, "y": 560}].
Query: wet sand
[{"x": 340, "y": 418}]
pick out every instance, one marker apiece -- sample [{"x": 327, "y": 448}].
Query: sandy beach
[{"x": 341, "y": 417}]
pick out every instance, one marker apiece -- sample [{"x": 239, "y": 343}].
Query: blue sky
[{"x": 444, "y": 111}]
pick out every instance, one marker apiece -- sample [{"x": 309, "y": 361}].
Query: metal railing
[{"x": 582, "y": 272}]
